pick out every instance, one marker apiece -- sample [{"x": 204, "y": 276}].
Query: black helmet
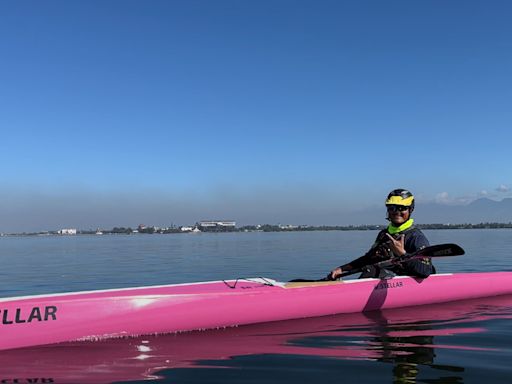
[{"x": 401, "y": 197}]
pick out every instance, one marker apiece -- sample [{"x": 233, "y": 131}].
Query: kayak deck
[{"x": 302, "y": 284}]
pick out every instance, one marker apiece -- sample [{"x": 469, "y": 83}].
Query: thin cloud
[
  {"x": 445, "y": 199},
  {"x": 503, "y": 189}
]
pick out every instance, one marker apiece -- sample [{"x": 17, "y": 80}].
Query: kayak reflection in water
[
  {"x": 408, "y": 347},
  {"x": 400, "y": 238}
]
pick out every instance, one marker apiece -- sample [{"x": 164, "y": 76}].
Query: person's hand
[
  {"x": 397, "y": 245},
  {"x": 335, "y": 274}
]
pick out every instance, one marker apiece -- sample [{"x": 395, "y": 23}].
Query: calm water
[{"x": 467, "y": 342}]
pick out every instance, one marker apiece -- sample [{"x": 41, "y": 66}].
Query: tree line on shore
[
  {"x": 271, "y": 228},
  {"x": 278, "y": 228},
  {"x": 288, "y": 228}
]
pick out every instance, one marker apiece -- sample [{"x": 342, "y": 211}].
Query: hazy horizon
[{"x": 156, "y": 214}]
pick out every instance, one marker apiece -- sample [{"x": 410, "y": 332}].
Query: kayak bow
[{"x": 46, "y": 319}]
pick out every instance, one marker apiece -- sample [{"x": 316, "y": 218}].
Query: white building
[
  {"x": 217, "y": 226},
  {"x": 288, "y": 227},
  {"x": 69, "y": 231}
]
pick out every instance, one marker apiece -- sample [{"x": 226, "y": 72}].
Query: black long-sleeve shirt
[{"x": 381, "y": 250}]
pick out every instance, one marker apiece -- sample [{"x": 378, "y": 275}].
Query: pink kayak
[
  {"x": 379, "y": 334},
  {"x": 46, "y": 319}
]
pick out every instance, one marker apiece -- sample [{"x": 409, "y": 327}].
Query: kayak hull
[
  {"x": 47, "y": 319},
  {"x": 380, "y": 335}
]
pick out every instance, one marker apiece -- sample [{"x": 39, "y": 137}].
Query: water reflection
[
  {"x": 409, "y": 353},
  {"x": 396, "y": 346}
]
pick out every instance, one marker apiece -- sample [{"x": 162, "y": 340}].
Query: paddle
[{"x": 439, "y": 250}]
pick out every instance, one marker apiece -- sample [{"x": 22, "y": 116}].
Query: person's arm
[
  {"x": 360, "y": 262},
  {"x": 354, "y": 264},
  {"x": 418, "y": 267}
]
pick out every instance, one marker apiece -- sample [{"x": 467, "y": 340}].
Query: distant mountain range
[{"x": 479, "y": 211}]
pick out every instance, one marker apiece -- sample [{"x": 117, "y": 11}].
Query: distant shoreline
[{"x": 264, "y": 228}]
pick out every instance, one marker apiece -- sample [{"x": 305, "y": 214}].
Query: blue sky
[{"x": 128, "y": 112}]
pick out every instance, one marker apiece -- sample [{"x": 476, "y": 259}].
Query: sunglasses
[{"x": 397, "y": 208}]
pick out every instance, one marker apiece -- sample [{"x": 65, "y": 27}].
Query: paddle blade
[{"x": 440, "y": 250}]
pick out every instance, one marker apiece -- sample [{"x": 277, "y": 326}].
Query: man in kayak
[{"x": 400, "y": 238}]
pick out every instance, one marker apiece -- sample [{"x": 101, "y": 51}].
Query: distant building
[
  {"x": 216, "y": 226},
  {"x": 288, "y": 227},
  {"x": 70, "y": 231}
]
